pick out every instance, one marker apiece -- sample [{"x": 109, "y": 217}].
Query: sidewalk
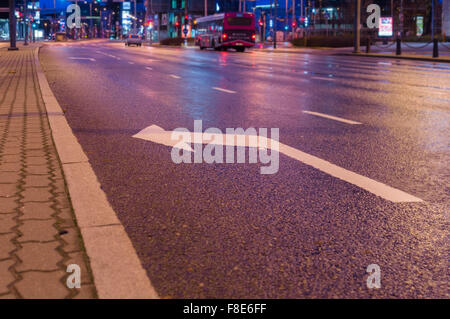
[
  {"x": 410, "y": 51},
  {"x": 38, "y": 234}
]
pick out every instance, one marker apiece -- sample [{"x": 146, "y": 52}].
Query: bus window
[{"x": 239, "y": 21}]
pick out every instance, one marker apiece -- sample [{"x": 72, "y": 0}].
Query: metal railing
[{"x": 435, "y": 46}]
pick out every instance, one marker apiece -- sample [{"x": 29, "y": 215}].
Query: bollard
[
  {"x": 435, "y": 48},
  {"x": 368, "y": 45},
  {"x": 399, "y": 47}
]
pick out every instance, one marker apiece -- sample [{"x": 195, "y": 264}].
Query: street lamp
[
  {"x": 12, "y": 26},
  {"x": 357, "y": 27},
  {"x": 135, "y": 22},
  {"x": 275, "y": 27},
  {"x": 25, "y": 21},
  {"x": 286, "y": 22},
  {"x": 432, "y": 19}
]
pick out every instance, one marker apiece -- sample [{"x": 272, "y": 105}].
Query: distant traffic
[{"x": 226, "y": 30}]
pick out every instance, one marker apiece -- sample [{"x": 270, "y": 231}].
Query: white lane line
[
  {"x": 175, "y": 76},
  {"x": 148, "y": 68},
  {"x": 130, "y": 62},
  {"x": 78, "y": 58},
  {"x": 324, "y": 79},
  {"x": 107, "y": 54},
  {"x": 224, "y": 90},
  {"x": 331, "y": 117}
]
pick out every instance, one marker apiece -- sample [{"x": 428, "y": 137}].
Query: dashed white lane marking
[
  {"x": 109, "y": 55},
  {"x": 331, "y": 117},
  {"x": 324, "y": 79},
  {"x": 130, "y": 62},
  {"x": 78, "y": 58},
  {"x": 175, "y": 76},
  {"x": 158, "y": 135},
  {"x": 224, "y": 90},
  {"x": 148, "y": 68}
]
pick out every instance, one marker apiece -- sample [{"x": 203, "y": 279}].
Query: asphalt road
[{"x": 225, "y": 230}]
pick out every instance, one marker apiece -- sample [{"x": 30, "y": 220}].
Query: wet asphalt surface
[{"x": 225, "y": 230}]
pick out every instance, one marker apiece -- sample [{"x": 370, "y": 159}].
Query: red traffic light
[
  {"x": 294, "y": 24},
  {"x": 260, "y": 22}
]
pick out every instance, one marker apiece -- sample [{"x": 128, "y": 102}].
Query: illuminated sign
[
  {"x": 419, "y": 26},
  {"x": 126, "y": 6},
  {"x": 385, "y": 28}
]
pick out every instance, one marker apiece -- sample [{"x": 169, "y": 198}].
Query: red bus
[{"x": 226, "y": 30}]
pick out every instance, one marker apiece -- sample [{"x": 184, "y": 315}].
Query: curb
[
  {"x": 404, "y": 57},
  {"x": 116, "y": 268}
]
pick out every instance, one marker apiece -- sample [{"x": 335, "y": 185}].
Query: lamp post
[
  {"x": 34, "y": 13},
  {"x": 25, "y": 22},
  {"x": 90, "y": 20},
  {"x": 275, "y": 27},
  {"x": 357, "y": 27},
  {"x": 135, "y": 18},
  {"x": 76, "y": 29},
  {"x": 432, "y": 19},
  {"x": 286, "y": 25},
  {"x": 12, "y": 26},
  {"x": 271, "y": 18},
  {"x": 185, "y": 22},
  {"x": 293, "y": 17}
]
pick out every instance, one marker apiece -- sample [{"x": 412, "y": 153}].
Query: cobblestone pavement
[{"x": 38, "y": 234}]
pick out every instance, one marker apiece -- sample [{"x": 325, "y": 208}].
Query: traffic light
[
  {"x": 294, "y": 24},
  {"x": 260, "y": 22}
]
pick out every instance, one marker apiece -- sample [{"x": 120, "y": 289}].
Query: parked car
[{"x": 133, "y": 39}]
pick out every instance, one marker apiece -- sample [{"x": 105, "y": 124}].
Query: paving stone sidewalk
[{"x": 38, "y": 234}]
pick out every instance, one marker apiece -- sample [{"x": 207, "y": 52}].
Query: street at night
[
  {"x": 224, "y": 230},
  {"x": 225, "y": 158}
]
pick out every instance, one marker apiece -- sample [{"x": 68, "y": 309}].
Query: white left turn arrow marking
[{"x": 158, "y": 135}]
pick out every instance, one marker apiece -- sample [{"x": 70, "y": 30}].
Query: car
[{"x": 133, "y": 39}]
